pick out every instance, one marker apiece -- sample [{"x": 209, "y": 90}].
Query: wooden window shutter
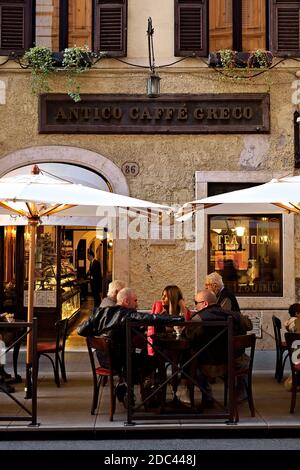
[
  {"x": 80, "y": 23},
  {"x": 253, "y": 25},
  {"x": 110, "y": 27},
  {"x": 15, "y": 26},
  {"x": 285, "y": 27},
  {"x": 191, "y": 27}
]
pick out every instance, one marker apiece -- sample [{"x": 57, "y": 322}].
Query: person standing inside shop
[{"x": 95, "y": 276}]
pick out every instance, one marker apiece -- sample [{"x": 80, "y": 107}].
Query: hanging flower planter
[
  {"x": 43, "y": 62},
  {"x": 229, "y": 59}
]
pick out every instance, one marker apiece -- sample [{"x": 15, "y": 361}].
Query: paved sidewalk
[{"x": 68, "y": 408}]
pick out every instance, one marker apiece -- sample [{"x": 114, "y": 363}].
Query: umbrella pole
[{"x": 33, "y": 222}]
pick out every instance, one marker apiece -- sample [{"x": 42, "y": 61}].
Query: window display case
[
  {"x": 57, "y": 294},
  {"x": 70, "y": 292}
]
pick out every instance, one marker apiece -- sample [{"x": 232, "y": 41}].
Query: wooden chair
[
  {"x": 102, "y": 344},
  {"x": 281, "y": 349},
  {"x": 240, "y": 343},
  {"x": 294, "y": 355},
  {"x": 58, "y": 349}
]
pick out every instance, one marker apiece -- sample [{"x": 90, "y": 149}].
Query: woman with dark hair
[{"x": 172, "y": 304}]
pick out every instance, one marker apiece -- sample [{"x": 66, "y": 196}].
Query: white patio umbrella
[
  {"x": 283, "y": 192},
  {"x": 38, "y": 195}
]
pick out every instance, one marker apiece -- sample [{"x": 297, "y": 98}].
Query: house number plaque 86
[{"x": 130, "y": 169}]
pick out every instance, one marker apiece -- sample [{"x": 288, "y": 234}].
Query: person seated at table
[
  {"x": 293, "y": 323},
  {"x": 111, "y": 321},
  {"x": 171, "y": 303},
  {"x": 114, "y": 288},
  {"x": 211, "y": 361},
  {"x": 225, "y": 298}
]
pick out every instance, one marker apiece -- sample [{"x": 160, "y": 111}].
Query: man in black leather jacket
[{"x": 111, "y": 321}]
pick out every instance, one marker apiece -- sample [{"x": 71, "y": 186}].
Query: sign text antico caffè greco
[{"x": 169, "y": 114}]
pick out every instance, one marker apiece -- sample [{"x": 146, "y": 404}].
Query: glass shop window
[
  {"x": 9, "y": 272},
  {"x": 45, "y": 267},
  {"x": 247, "y": 252}
]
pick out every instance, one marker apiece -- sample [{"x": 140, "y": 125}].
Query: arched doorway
[
  {"x": 85, "y": 159},
  {"x": 91, "y": 169}
]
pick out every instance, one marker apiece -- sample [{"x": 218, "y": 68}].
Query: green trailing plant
[
  {"x": 40, "y": 60},
  {"x": 76, "y": 60},
  {"x": 228, "y": 58},
  {"x": 260, "y": 59},
  {"x": 43, "y": 62}
]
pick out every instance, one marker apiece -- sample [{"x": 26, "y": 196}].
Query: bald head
[
  {"x": 127, "y": 298},
  {"x": 204, "y": 298}
]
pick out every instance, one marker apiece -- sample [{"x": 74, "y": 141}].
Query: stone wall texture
[{"x": 167, "y": 162}]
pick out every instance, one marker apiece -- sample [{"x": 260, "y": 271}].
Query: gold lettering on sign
[
  {"x": 146, "y": 114},
  {"x": 158, "y": 113},
  {"x": 224, "y": 113},
  {"x": 199, "y": 113},
  {"x": 85, "y": 112},
  {"x": 73, "y": 114},
  {"x": 212, "y": 113},
  {"x": 169, "y": 112},
  {"x": 61, "y": 114},
  {"x": 134, "y": 113},
  {"x": 182, "y": 114},
  {"x": 246, "y": 240},
  {"x": 105, "y": 113}
]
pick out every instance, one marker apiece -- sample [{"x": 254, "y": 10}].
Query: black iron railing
[
  {"x": 31, "y": 414},
  {"x": 167, "y": 349}
]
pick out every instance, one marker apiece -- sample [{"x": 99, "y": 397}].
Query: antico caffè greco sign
[{"x": 169, "y": 114}]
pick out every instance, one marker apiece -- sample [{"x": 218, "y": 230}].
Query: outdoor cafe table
[
  {"x": 175, "y": 349},
  {"x": 170, "y": 349},
  {"x": 10, "y": 337}
]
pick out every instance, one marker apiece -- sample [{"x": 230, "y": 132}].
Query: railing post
[
  {"x": 129, "y": 372},
  {"x": 231, "y": 383},
  {"x": 34, "y": 372}
]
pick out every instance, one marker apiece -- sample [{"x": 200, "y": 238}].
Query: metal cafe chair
[
  {"x": 102, "y": 344},
  {"x": 295, "y": 368},
  {"x": 281, "y": 349},
  {"x": 58, "y": 349}
]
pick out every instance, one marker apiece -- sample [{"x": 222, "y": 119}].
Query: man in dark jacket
[
  {"x": 95, "y": 276},
  {"x": 212, "y": 361},
  {"x": 225, "y": 298},
  {"x": 111, "y": 321}
]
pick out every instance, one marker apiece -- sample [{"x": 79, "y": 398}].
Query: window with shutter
[
  {"x": 110, "y": 27},
  {"x": 237, "y": 24},
  {"x": 80, "y": 23},
  {"x": 191, "y": 27},
  {"x": 15, "y": 26},
  {"x": 285, "y": 23}
]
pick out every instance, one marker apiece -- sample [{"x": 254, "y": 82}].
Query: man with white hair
[
  {"x": 225, "y": 298},
  {"x": 114, "y": 288}
]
